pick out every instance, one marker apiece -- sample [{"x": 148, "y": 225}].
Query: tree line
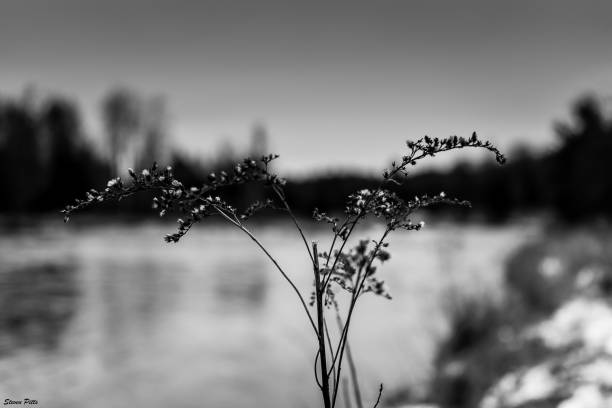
[
  {"x": 46, "y": 159},
  {"x": 571, "y": 180}
]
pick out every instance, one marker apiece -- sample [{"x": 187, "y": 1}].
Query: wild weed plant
[{"x": 336, "y": 268}]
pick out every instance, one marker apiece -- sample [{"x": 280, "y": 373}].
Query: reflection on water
[
  {"x": 129, "y": 300},
  {"x": 208, "y": 322},
  {"x": 239, "y": 286},
  {"x": 36, "y": 304}
]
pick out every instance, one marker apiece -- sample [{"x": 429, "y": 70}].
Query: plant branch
[
  {"x": 316, "y": 375},
  {"x": 331, "y": 351},
  {"x": 321, "y": 323},
  {"x": 281, "y": 196},
  {"x": 380, "y": 390},
  {"x": 344, "y": 241},
  {"x": 356, "y": 292},
  {"x": 265, "y": 251}
]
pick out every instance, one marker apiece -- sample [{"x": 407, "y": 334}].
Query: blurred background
[{"x": 506, "y": 304}]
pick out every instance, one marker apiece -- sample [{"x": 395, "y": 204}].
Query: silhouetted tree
[
  {"x": 20, "y": 159},
  {"x": 155, "y": 144},
  {"x": 121, "y": 110},
  {"x": 71, "y": 165},
  {"x": 582, "y": 166}
]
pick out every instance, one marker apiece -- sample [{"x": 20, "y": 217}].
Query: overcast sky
[{"x": 337, "y": 83}]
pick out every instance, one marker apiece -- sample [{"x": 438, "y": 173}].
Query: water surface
[{"x": 111, "y": 316}]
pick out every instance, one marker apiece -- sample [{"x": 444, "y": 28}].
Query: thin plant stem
[
  {"x": 281, "y": 195},
  {"x": 331, "y": 248},
  {"x": 352, "y": 368},
  {"x": 343, "y": 328},
  {"x": 380, "y": 390},
  {"x": 355, "y": 380},
  {"x": 331, "y": 351},
  {"x": 344, "y": 241},
  {"x": 316, "y": 375},
  {"x": 321, "y": 329},
  {"x": 265, "y": 251},
  {"x": 336, "y": 235},
  {"x": 347, "y": 397}
]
